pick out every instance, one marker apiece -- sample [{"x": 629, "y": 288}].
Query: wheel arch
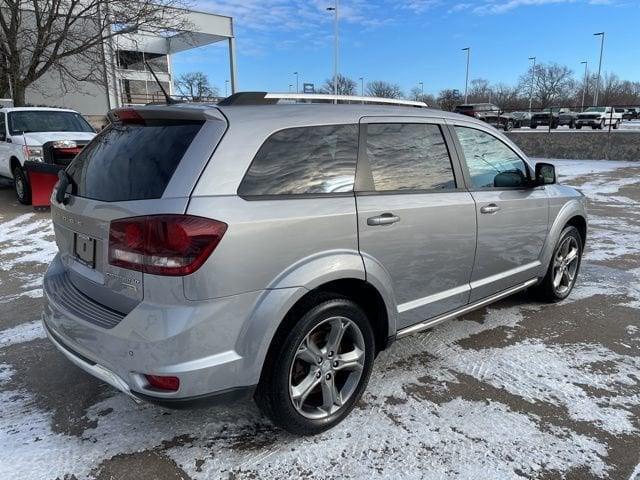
[
  {"x": 572, "y": 213},
  {"x": 13, "y": 163}
]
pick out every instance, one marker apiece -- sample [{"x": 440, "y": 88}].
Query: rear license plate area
[{"x": 85, "y": 250}]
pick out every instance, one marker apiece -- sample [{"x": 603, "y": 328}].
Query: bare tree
[
  {"x": 553, "y": 84},
  {"x": 196, "y": 86},
  {"x": 346, "y": 86},
  {"x": 71, "y": 38},
  {"x": 448, "y": 99},
  {"x": 379, "y": 88},
  {"x": 417, "y": 95},
  {"x": 480, "y": 91}
]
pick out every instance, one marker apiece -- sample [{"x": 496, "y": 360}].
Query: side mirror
[
  {"x": 545, "y": 174},
  {"x": 513, "y": 179}
]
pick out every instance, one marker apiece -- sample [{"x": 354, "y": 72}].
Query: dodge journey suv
[{"x": 214, "y": 252}]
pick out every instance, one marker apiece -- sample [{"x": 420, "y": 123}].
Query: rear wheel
[
  {"x": 318, "y": 370},
  {"x": 563, "y": 269},
  {"x": 534, "y": 125},
  {"x": 616, "y": 125},
  {"x": 601, "y": 125},
  {"x": 21, "y": 186},
  {"x": 578, "y": 126},
  {"x": 508, "y": 126}
]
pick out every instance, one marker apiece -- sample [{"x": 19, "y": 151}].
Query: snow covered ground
[{"x": 517, "y": 390}]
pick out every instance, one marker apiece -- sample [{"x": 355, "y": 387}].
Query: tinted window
[
  {"x": 408, "y": 156},
  {"x": 131, "y": 162},
  {"x": 46, "y": 121},
  {"x": 486, "y": 157},
  {"x": 3, "y": 131},
  {"x": 304, "y": 160}
]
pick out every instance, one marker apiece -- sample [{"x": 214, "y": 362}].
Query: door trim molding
[
  {"x": 421, "y": 302},
  {"x": 506, "y": 274},
  {"x": 418, "y": 327}
]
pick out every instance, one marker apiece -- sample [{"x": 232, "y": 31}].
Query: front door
[
  {"x": 512, "y": 217},
  {"x": 415, "y": 219}
]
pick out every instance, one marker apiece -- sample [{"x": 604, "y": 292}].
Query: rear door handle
[
  {"x": 491, "y": 208},
  {"x": 384, "y": 219}
]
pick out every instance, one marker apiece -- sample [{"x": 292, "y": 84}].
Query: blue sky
[{"x": 406, "y": 42}]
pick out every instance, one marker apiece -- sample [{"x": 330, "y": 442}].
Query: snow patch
[{"x": 24, "y": 332}]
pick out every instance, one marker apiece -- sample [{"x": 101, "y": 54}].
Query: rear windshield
[
  {"x": 465, "y": 107},
  {"x": 46, "y": 121},
  {"x": 131, "y": 162}
]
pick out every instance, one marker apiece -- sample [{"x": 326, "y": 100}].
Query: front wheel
[
  {"x": 508, "y": 126},
  {"x": 616, "y": 125},
  {"x": 317, "y": 371},
  {"x": 578, "y": 126},
  {"x": 21, "y": 186},
  {"x": 563, "y": 269}
]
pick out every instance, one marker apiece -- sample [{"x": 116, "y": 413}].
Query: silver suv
[{"x": 209, "y": 252}]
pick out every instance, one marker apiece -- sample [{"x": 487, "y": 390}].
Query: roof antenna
[{"x": 167, "y": 97}]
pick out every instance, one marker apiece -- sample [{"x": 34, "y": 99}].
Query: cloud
[{"x": 496, "y": 7}]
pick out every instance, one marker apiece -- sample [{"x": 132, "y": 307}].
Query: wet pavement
[{"x": 516, "y": 390}]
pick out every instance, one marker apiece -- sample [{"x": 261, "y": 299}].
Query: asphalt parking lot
[{"x": 517, "y": 390}]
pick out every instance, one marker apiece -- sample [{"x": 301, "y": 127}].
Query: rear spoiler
[{"x": 165, "y": 112}]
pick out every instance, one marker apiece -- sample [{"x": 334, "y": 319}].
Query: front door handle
[
  {"x": 384, "y": 219},
  {"x": 491, "y": 208}
]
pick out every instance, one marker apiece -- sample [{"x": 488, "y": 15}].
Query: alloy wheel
[
  {"x": 327, "y": 368},
  {"x": 565, "y": 265}
]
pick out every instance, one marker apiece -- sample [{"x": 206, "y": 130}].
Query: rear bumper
[{"x": 194, "y": 341}]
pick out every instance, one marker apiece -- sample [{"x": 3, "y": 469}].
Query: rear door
[
  {"x": 144, "y": 164},
  {"x": 512, "y": 220},
  {"x": 415, "y": 219}
]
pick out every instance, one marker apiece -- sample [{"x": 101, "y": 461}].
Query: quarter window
[
  {"x": 487, "y": 158},
  {"x": 408, "y": 156},
  {"x": 306, "y": 160}
]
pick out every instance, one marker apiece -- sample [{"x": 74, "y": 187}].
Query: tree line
[{"x": 548, "y": 85}]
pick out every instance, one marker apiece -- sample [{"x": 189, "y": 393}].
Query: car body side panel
[{"x": 270, "y": 242}]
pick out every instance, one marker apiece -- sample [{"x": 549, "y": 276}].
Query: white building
[{"x": 128, "y": 80}]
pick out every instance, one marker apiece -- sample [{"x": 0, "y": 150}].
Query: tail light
[{"x": 172, "y": 245}]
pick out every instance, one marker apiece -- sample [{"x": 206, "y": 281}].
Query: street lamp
[
  {"x": 533, "y": 78},
  {"x": 361, "y": 86},
  {"x": 466, "y": 82},
  {"x": 297, "y": 84},
  {"x": 595, "y": 98},
  {"x": 335, "y": 48},
  {"x": 584, "y": 84}
]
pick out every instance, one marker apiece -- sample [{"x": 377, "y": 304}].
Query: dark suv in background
[
  {"x": 554, "y": 116},
  {"x": 487, "y": 112}
]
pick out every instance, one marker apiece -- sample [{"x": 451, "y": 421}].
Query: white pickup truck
[
  {"x": 49, "y": 135},
  {"x": 599, "y": 117}
]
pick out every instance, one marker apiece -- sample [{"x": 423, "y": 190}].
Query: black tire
[
  {"x": 273, "y": 392},
  {"x": 546, "y": 290},
  {"x": 578, "y": 126},
  {"x": 508, "y": 126},
  {"x": 572, "y": 124},
  {"x": 21, "y": 186},
  {"x": 534, "y": 125},
  {"x": 601, "y": 125},
  {"x": 616, "y": 125}
]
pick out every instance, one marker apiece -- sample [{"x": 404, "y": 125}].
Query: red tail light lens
[
  {"x": 170, "y": 384},
  {"x": 127, "y": 116},
  {"x": 163, "y": 244}
]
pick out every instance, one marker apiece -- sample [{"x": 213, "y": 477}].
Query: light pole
[
  {"x": 361, "y": 86},
  {"x": 533, "y": 78},
  {"x": 334, "y": 9},
  {"x": 584, "y": 84},
  {"x": 595, "y": 98},
  {"x": 297, "y": 84},
  {"x": 466, "y": 82},
  {"x": 226, "y": 88}
]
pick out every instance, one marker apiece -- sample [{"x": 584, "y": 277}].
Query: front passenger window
[{"x": 491, "y": 163}]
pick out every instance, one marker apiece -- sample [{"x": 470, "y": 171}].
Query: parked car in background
[
  {"x": 487, "y": 112},
  {"x": 211, "y": 252},
  {"x": 599, "y": 117},
  {"x": 554, "y": 117},
  {"x": 631, "y": 113},
  {"x": 37, "y": 134},
  {"x": 521, "y": 119}
]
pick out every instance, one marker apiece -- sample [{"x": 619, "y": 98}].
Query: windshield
[
  {"x": 595, "y": 109},
  {"x": 46, "y": 121}
]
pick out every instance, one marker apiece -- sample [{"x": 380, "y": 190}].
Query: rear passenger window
[
  {"x": 411, "y": 156},
  {"x": 306, "y": 160}
]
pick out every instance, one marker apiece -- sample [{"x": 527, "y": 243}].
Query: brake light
[
  {"x": 127, "y": 116},
  {"x": 172, "y": 245},
  {"x": 170, "y": 384}
]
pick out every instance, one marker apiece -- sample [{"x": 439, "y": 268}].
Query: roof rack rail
[{"x": 264, "y": 98}]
